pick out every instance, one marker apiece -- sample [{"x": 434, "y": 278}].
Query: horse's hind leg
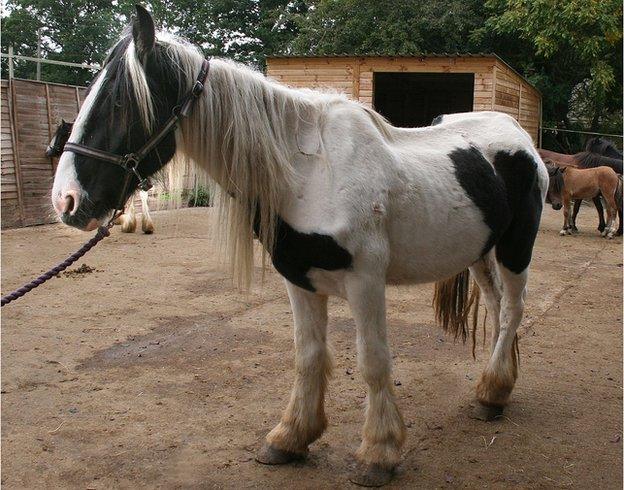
[
  {"x": 304, "y": 420},
  {"x": 484, "y": 273},
  {"x": 147, "y": 225},
  {"x": 499, "y": 377},
  {"x": 384, "y": 431},
  {"x": 610, "y": 229},
  {"x": 128, "y": 219},
  {"x": 599, "y": 209},
  {"x": 513, "y": 256}
]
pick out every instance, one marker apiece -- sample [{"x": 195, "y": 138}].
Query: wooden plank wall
[
  {"x": 514, "y": 96},
  {"x": 9, "y": 199},
  {"x": 30, "y": 113},
  {"x": 497, "y": 87}
]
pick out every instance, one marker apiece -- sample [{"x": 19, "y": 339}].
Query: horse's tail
[{"x": 456, "y": 303}]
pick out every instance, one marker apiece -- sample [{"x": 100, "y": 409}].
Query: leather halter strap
[{"x": 130, "y": 161}]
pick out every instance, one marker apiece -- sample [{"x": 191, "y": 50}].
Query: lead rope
[{"x": 101, "y": 234}]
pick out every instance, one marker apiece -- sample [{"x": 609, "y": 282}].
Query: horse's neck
[{"x": 246, "y": 130}]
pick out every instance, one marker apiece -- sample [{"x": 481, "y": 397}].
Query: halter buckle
[
  {"x": 130, "y": 161},
  {"x": 198, "y": 88}
]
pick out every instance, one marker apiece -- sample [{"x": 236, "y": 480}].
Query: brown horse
[
  {"x": 569, "y": 183},
  {"x": 609, "y": 156}
]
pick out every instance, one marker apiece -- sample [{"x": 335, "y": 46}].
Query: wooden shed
[{"x": 411, "y": 90}]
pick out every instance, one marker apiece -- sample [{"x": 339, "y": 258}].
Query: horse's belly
[{"x": 429, "y": 246}]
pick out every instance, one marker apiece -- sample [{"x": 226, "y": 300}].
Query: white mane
[{"x": 242, "y": 132}]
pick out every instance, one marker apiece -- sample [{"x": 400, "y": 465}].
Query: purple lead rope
[{"x": 103, "y": 232}]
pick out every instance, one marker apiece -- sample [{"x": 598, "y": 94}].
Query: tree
[
  {"x": 78, "y": 31},
  {"x": 399, "y": 27},
  {"x": 83, "y": 30},
  {"x": 572, "y": 51}
]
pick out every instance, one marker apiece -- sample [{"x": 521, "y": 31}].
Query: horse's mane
[
  {"x": 590, "y": 160},
  {"x": 243, "y": 133},
  {"x": 603, "y": 146}
]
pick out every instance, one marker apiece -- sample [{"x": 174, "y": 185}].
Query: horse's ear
[
  {"x": 63, "y": 121},
  {"x": 143, "y": 32}
]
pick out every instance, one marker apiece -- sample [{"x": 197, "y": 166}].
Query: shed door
[{"x": 410, "y": 100}]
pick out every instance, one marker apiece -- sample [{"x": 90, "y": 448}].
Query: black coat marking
[
  {"x": 508, "y": 195},
  {"x": 295, "y": 253},
  {"x": 519, "y": 172},
  {"x": 477, "y": 177}
]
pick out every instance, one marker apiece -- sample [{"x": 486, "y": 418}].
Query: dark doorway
[{"x": 410, "y": 100}]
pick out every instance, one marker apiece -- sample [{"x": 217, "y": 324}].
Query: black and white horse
[
  {"x": 344, "y": 204},
  {"x": 127, "y": 220}
]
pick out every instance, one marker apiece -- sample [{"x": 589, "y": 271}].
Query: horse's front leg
[
  {"x": 575, "y": 212},
  {"x": 384, "y": 431},
  {"x": 304, "y": 419},
  {"x": 567, "y": 204}
]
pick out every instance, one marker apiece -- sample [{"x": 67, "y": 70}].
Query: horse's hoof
[
  {"x": 562, "y": 233},
  {"x": 371, "y": 475},
  {"x": 273, "y": 456},
  {"x": 487, "y": 413}
]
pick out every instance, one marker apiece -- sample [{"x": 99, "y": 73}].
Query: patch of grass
[{"x": 199, "y": 197}]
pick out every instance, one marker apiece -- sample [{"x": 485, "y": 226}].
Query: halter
[{"x": 130, "y": 161}]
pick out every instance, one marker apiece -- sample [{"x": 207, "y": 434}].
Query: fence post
[
  {"x": 38, "y": 54},
  {"x": 11, "y": 72}
]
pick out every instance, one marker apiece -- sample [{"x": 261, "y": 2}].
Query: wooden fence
[{"x": 30, "y": 113}]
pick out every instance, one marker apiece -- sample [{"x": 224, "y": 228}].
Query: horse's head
[
  {"x": 55, "y": 148},
  {"x": 603, "y": 146},
  {"x": 131, "y": 98},
  {"x": 555, "y": 184}
]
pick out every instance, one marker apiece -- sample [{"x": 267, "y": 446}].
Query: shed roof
[{"x": 414, "y": 55}]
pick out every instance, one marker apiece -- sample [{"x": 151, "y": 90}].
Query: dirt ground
[{"x": 148, "y": 370}]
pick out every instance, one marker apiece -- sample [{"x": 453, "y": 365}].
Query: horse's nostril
[{"x": 70, "y": 203}]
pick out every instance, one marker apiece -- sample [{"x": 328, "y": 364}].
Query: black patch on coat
[
  {"x": 519, "y": 172},
  {"x": 295, "y": 253},
  {"x": 477, "y": 177},
  {"x": 508, "y": 195}
]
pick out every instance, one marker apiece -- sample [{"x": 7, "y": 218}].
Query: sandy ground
[{"x": 153, "y": 372}]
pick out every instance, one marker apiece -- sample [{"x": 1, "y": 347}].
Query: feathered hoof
[
  {"x": 487, "y": 413},
  {"x": 147, "y": 226},
  {"x": 563, "y": 233},
  {"x": 273, "y": 456},
  {"x": 128, "y": 223},
  {"x": 371, "y": 475}
]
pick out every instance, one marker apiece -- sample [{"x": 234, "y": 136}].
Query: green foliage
[
  {"x": 78, "y": 30},
  {"x": 571, "y": 50},
  {"x": 398, "y": 27},
  {"x": 198, "y": 197}
]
